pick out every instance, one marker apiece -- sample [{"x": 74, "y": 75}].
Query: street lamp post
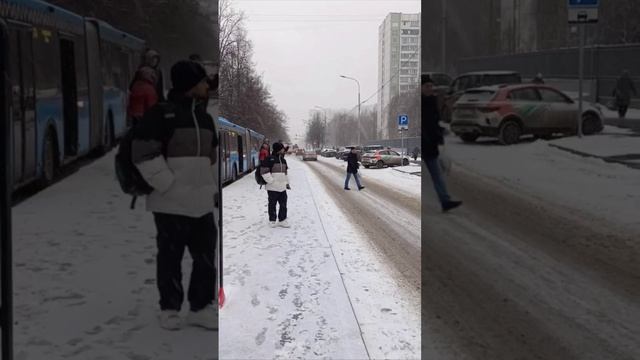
[{"x": 356, "y": 80}]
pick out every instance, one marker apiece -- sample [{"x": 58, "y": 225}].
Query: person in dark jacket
[
  {"x": 175, "y": 148},
  {"x": 416, "y": 152},
  {"x": 432, "y": 136},
  {"x": 274, "y": 171},
  {"x": 352, "y": 169},
  {"x": 623, "y": 91},
  {"x": 143, "y": 94}
]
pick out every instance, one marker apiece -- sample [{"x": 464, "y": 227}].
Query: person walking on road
[
  {"x": 432, "y": 137},
  {"x": 143, "y": 94},
  {"x": 416, "y": 152},
  {"x": 352, "y": 169},
  {"x": 622, "y": 93},
  {"x": 274, "y": 171},
  {"x": 175, "y": 148}
]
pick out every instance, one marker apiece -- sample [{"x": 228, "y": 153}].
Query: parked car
[
  {"x": 310, "y": 155},
  {"x": 328, "y": 153},
  {"x": 472, "y": 80},
  {"x": 508, "y": 112},
  {"x": 369, "y": 148},
  {"x": 382, "y": 158}
]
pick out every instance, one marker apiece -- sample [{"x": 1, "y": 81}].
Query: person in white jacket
[{"x": 274, "y": 172}]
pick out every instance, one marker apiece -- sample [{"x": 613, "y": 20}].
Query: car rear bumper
[{"x": 461, "y": 128}]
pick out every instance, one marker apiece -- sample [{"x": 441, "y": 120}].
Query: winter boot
[
  {"x": 361, "y": 187},
  {"x": 206, "y": 318},
  {"x": 272, "y": 224},
  {"x": 170, "y": 320},
  {"x": 284, "y": 224},
  {"x": 450, "y": 205},
  {"x": 347, "y": 188}
]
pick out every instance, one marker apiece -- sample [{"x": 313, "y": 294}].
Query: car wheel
[
  {"x": 469, "y": 138},
  {"x": 405, "y": 162},
  {"x": 50, "y": 166},
  {"x": 510, "y": 133},
  {"x": 366, "y": 166},
  {"x": 379, "y": 164},
  {"x": 590, "y": 124}
]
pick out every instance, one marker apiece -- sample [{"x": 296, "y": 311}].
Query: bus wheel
[{"x": 50, "y": 162}]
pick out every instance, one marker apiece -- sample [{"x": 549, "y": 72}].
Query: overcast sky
[{"x": 302, "y": 46}]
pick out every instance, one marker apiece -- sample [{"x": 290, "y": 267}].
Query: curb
[
  {"x": 608, "y": 159},
  {"x": 418, "y": 173}
]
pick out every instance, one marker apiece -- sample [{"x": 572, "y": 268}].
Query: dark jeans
[
  {"x": 622, "y": 110},
  {"x": 280, "y": 198},
  {"x": 175, "y": 232},
  {"x": 433, "y": 165},
  {"x": 348, "y": 179}
]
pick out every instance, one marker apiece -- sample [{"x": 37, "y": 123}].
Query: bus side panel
[
  {"x": 84, "y": 110},
  {"x": 95, "y": 80}
]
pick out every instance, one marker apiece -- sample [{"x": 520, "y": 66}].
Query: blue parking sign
[
  {"x": 403, "y": 120},
  {"x": 583, "y": 3}
]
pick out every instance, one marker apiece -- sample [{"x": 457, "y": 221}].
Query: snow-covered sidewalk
[
  {"x": 84, "y": 276},
  {"x": 613, "y": 145},
  {"x": 316, "y": 290}
]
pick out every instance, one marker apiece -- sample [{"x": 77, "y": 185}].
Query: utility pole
[
  {"x": 444, "y": 37},
  {"x": 357, "y": 82}
]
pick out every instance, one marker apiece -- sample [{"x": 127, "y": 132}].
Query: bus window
[{"x": 46, "y": 55}]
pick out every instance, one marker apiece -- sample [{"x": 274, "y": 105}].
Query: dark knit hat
[
  {"x": 277, "y": 147},
  {"x": 185, "y": 75}
]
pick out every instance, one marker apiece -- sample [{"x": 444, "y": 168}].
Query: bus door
[
  {"x": 69, "y": 95},
  {"x": 96, "y": 91},
  {"x": 225, "y": 154},
  {"x": 22, "y": 103},
  {"x": 241, "y": 154}
]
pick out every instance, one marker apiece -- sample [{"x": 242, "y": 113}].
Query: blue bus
[
  {"x": 239, "y": 149},
  {"x": 66, "y": 80}
]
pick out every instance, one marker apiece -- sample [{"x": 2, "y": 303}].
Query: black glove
[{"x": 288, "y": 187}]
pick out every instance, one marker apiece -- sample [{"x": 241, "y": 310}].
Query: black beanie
[
  {"x": 277, "y": 147},
  {"x": 185, "y": 75}
]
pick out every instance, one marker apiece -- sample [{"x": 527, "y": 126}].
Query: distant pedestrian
[
  {"x": 151, "y": 59},
  {"x": 174, "y": 148},
  {"x": 264, "y": 152},
  {"x": 432, "y": 137},
  {"x": 142, "y": 95},
  {"x": 622, "y": 93},
  {"x": 352, "y": 169},
  {"x": 538, "y": 79},
  {"x": 416, "y": 152},
  {"x": 274, "y": 171}
]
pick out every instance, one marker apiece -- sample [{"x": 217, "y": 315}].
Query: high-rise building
[{"x": 398, "y": 62}]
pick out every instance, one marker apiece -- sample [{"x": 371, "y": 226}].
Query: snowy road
[
  {"x": 509, "y": 276},
  {"x": 389, "y": 217}
]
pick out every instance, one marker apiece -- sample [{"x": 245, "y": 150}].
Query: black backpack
[
  {"x": 258, "y": 175},
  {"x": 129, "y": 177}
]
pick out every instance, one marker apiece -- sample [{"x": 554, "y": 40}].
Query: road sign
[
  {"x": 403, "y": 122},
  {"x": 583, "y": 11}
]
